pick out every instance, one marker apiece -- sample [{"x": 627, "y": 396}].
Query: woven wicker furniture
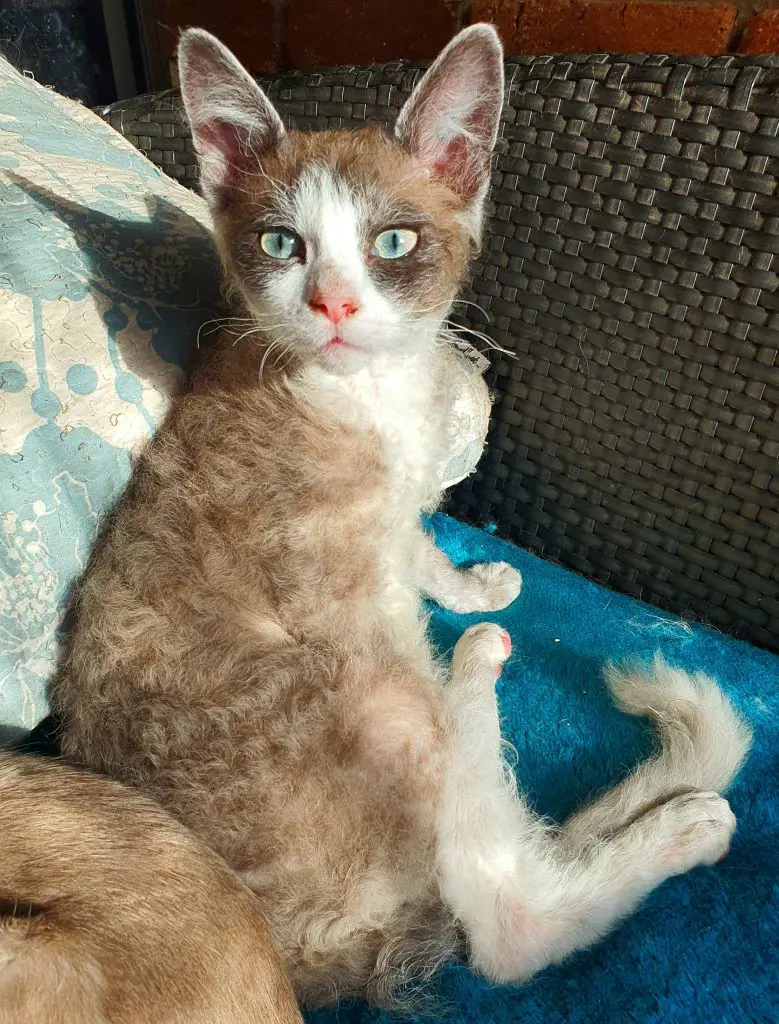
[{"x": 631, "y": 270}]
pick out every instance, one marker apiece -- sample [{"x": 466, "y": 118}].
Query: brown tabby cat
[
  {"x": 111, "y": 912},
  {"x": 250, "y": 643}
]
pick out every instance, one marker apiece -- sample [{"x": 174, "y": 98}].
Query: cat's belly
[
  {"x": 308, "y": 752},
  {"x": 247, "y": 732}
]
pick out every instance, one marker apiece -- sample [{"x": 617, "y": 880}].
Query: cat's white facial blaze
[{"x": 326, "y": 304}]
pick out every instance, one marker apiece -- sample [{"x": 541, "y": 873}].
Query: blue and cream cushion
[{"x": 107, "y": 272}]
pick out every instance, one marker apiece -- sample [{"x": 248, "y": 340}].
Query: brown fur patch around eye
[
  {"x": 416, "y": 276},
  {"x": 385, "y": 179}
]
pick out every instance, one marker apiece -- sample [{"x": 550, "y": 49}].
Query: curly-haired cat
[{"x": 250, "y": 642}]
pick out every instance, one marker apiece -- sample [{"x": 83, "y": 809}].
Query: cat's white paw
[
  {"x": 699, "y": 828},
  {"x": 499, "y": 585},
  {"x": 485, "y": 645}
]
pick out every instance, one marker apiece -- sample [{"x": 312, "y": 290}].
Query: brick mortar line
[{"x": 745, "y": 12}]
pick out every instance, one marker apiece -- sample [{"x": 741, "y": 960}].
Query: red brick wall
[
  {"x": 271, "y": 35},
  {"x": 624, "y": 26}
]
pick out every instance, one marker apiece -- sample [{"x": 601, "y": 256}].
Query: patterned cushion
[
  {"x": 106, "y": 274},
  {"x": 469, "y": 417}
]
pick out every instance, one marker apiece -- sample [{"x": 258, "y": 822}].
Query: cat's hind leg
[
  {"x": 487, "y": 587},
  {"x": 526, "y": 896}
]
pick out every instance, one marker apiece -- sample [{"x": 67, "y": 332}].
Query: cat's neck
[
  {"x": 398, "y": 396},
  {"x": 387, "y": 387}
]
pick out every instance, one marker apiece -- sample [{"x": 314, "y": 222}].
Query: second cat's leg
[
  {"x": 487, "y": 587},
  {"x": 525, "y": 896}
]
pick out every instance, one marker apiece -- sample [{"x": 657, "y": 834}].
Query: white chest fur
[
  {"x": 401, "y": 400},
  {"x": 399, "y": 397}
]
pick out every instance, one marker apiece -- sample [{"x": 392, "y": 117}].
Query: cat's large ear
[
  {"x": 233, "y": 121},
  {"x": 450, "y": 122}
]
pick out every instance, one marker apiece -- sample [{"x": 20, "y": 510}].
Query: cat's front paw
[{"x": 498, "y": 585}]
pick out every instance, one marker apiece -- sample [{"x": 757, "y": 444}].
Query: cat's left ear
[
  {"x": 233, "y": 122},
  {"x": 450, "y": 122}
]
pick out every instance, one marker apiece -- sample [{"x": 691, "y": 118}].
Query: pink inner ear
[
  {"x": 457, "y": 166},
  {"x": 222, "y": 157},
  {"x": 463, "y": 161}
]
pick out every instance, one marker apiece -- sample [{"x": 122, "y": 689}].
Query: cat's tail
[
  {"x": 703, "y": 743},
  {"x": 108, "y": 906}
]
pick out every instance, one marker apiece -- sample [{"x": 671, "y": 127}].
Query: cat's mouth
[
  {"x": 340, "y": 356},
  {"x": 337, "y": 343}
]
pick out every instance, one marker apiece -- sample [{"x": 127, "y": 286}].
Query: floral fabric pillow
[{"x": 106, "y": 273}]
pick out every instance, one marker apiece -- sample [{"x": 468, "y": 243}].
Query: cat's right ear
[
  {"x": 233, "y": 122},
  {"x": 450, "y": 122}
]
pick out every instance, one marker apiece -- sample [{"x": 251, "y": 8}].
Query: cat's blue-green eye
[
  {"x": 281, "y": 244},
  {"x": 395, "y": 242}
]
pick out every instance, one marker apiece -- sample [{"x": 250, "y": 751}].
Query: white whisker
[
  {"x": 218, "y": 321},
  {"x": 452, "y": 329}
]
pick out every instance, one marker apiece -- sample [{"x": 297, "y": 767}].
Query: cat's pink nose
[{"x": 334, "y": 307}]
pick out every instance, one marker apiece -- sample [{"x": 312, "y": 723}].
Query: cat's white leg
[
  {"x": 525, "y": 896},
  {"x": 487, "y": 587}
]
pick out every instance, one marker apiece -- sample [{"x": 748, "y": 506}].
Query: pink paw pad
[{"x": 506, "y": 640}]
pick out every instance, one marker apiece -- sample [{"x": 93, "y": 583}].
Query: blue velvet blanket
[{"x": 704, "y": 948}]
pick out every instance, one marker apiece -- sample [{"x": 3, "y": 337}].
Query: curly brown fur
[{"x": 210, "y": 666}]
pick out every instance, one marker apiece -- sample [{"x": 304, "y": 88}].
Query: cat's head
[{"x": 346, "y": 244}]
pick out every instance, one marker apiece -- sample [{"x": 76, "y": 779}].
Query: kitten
[
  {"x": 112, "y": 913},
  {"x": 250, "y": 642}
]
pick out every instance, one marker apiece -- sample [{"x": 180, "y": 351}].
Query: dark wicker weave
[{"x": 632, "y": 268}]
